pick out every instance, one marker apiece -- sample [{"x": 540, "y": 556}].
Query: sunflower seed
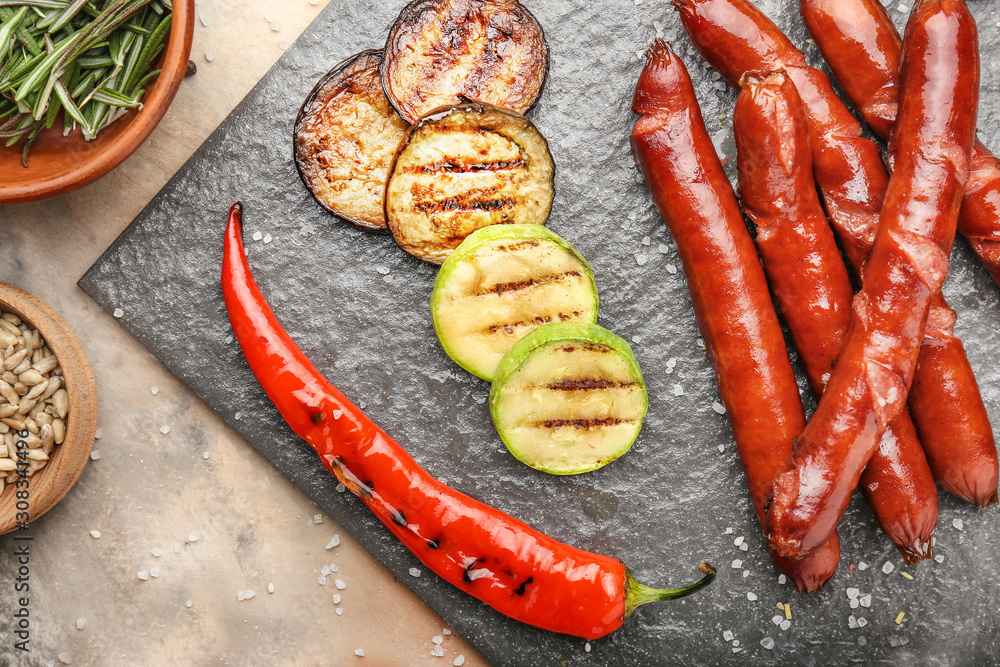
[{"x": 60, "y": 399}]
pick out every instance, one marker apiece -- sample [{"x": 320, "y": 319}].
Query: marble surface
[{"x": 152, "y": 490}]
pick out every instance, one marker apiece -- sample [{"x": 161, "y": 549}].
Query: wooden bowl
[
  {"x": 58, "y": 164},
  {"x": 49, "y": 484}
]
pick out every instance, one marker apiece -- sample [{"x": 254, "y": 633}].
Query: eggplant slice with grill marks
[
  {"x": 503, "y": 282},
  {"x": 568, "y": 398},
  {"x": 442, "y": 51},
  {"x": 463, "y": 168},
  {"x": 346, "y": 136}
]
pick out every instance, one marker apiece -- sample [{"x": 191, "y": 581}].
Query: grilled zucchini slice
[
  {"x": 442, "y": 51},
  {"x": 568, "y": 398},
  {"x": 463, "y": 168},
  {"x": 346, "y": 136},
  {"x": 502, "y": 282}
]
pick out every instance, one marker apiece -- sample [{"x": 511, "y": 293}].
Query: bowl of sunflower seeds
[{"x": 48, "y": 408}]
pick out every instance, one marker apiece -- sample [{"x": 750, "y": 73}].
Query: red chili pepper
[{"x": 513, "y": 568}]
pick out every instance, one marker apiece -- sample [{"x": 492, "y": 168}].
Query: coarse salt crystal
[
  {"x": 729, "y": 530},
  {"x": 340, "y": 612},
  {"x": 767, "y": 643},
  {"x": 275, "y": 26},
  {"x": 337, "y": 414},
  {"x": 382, "y": 269},
  {"x": 229, "y": 340},
  {"x": 888, "y": 568},
  {"x": 862, "y": 641},
  {"x": 118, "y": 312},
  {"x": 663, "y": 248},
  {"x": 782, "y": 578},
  {"x": 341, "y": 488},
  {"x": 359, "y": 652},
  {"x": 317, "y": 518},
  {"x": 728, "y": 635},
  {"x": 336, "y": 598},
  {"x": 722, "y": 448},
  {"x": 334, "y": 568},
  {"x": 645, "y": 240},
  {"x": 193, "y": 537},
  {"x": 678, "y": 390},
  {"x": 671, "y": 269},
  {"x": 204, "y": 23},
  {"x": 446, "y": 632},
  {"x": 437, "y": 639},
  {"x": 267, "y": 238},
  {"x": 785, "y": 624},
  {"x": 204, "y": 455},
  {"x": 257, "y": 236},
  {"x": 744, "y": 547},
  {"x": 719, "y": 407},
  {"x": 250, "y": 594},
  {"x": 854, "y": 603},
  {"x": 852, "y": 622},
  {"x": 862, "y": 566},
  {"x": 283, "y": 44},
  {"x": 339, "y": 583},
  {"x": 325, "y": 571},
  {"x": 177, "y": 548},
  {"x": 334, "y": 541},
  {"x": 957, "y": 523},
  {"x": 387, "y": 279},
  {"x": 270, "y": 587},
  {"x": 238, "y": 416},
  {"x": 164, "y": 429},
  {"x": 154, "y": 390},
  {"x": 64, "y": 658},
  {"x": 640, "y": 258},
  {"x": 188, "y": 603},
  {"x": 746, "y": 573},
  {"x": 939, "y": 558},
  {"x": 240, "y": 596},
  {"x": 143, "y": 574},
  {"x": 459, "y": 661},
  {"x": 155, "y": 572},
  {"x": 81, "y": 623},
  {"x": 98, "y": 434},
  {"x": 752, "y": 597},
  {"x": 902, "y": 8},
  {"x": 777, "y": 619},
  {"x": 269, "y": 16},
  {"x": 866, "y": 601},
  {"x": 414, "y": 571},
  {"x": 862, "y": 622},
  {"x": 437, "y": 651},
  {"x": 96, "y": 534},
  {"x": 736, "y": 649},
  {"x": 852, "y": 593},
  {"x": 321, "y": 580},
  {"x": 737, "y": 564},
  {"x": 95, "y": 455},
  {"x": 155, "y": 551}
]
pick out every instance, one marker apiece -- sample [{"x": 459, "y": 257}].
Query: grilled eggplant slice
[
  {"x": 502, "y": 282},
  {"x": 346, "y": 136},
  {"x": 442, "y": 51},
  {"x": 568, "y": 398},
  {"x": 463, "y": 168}
]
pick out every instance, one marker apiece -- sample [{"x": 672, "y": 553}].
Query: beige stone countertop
[{"x": 223, "y": 524}]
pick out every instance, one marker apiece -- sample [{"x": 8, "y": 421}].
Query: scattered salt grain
[
  {"x": 229, "y": 340},
  {"x": 360, "y": 652},
  {"x": 862, "y": 641},
  {"x": 767, "y": 643},
  {"x": 155, "y": 551},
  {"x": 957, "y": 523},
  {"x": 752, "y": 597},
  {"x": 205, "y": 455},
  {"x": 177, "y": 548},
  {"x": 718, "y": 407},
  {"x": 325, "y": 571},
  {"x": 437, "y": 639},
  {"x": 862, "y": 566},
  {"x": 64, "y": 658},
  {"x": 267, "y": 238},
  {"x": 746, "y": 573},
  {"x": 446, "y": 632},
  {"x": 313, "y": 2},
  {"x": 387, "y": 279},
  {"x": 164, "y": 429},
  {"x": 782, "y": 578},
  {"x": 722, "y": 448},
  {"x": 193, "y": 537},
  {"x": 866, "y": 601},
  {"x": 902, "y": 8},
  {"x": 334, "y": 568},
  {"x": 155, "y": 572},
  {"x": 888, "y": 568},
  {"x": 645, "y": 240},
  {"x": 143, "y": 575},
  {"x": 269, "y": 16},
  {"x": 744, "y": 547},
  {"x": 382, "y": 269},
  {"x": 336, "y": 598},
  {"x": 118, "y": 312},
  {"x": 275, "y": 26},
  {"x": 640, "y": 258},
  {"x": 270, "y": 588},
  {"x": 459, "y": 661},
  {"x": 283, "y": 44},
  {"x": 729, "y": 530},
  {"x": 414, "y": 571},
  {"x": 852, "y": 593},
  {"x": 154, "y": 391},
  {"x": 81, "y": 623},
  {"x": 238, "y": 416},
  {"x": 728, "y": 635},
  {"x": 188, "y": 603},
  {"x": 939, "y": 558},
  {"x": 437, "y": 651},
  {"x": 321, "y": 580},
  {"x": 852, "y": 622},
  {"x": 209, "y": 56},
  {"x": 334, "y": 541},
  {"x": 678, "y": 390},
  {"x": 340, "y": 612},
  {"x": 340, "y": 489},
  {"x": 95, "y": 455},
  {"x": 862, "y": 622},
  {"x": 664, "y": 248},
  {"x": 317, "y": 518},
  {"x": 736, "y": 649},
  {"x": 98, "y": 434},
  {"x": 777, "y": 619},
  {"x": 240, "y": 596},
  {"x": 250, "y": 594},
  {"x": 339, "y": 583},
  {"x": 203, "y": 21},
  {"x": 671, "y": 269},
  {"x": 737, "y": 564},
  {"x": 96, "y": 534},
  {"x": 336, "y": 414},
  {"x": 854, "y": 603}
]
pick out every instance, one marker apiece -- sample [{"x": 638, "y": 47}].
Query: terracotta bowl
[
  {"x": 57, "y": 164},
  {"x": 49, "y": 484}
]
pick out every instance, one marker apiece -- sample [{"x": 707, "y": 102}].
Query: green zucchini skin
[
  {"x": 526, "y": 272},
  {"x": 602, "y": 390}
]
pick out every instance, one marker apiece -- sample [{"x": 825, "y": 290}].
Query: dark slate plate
[{"x": 358, "y": 306}]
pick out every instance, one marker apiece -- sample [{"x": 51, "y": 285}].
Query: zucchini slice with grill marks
[
  {"x": 346, "y": 136},
  {"x": 442, "y": 51},
  {"x": 463, "y": 168},
  {"x": 568, "y": 398},
  {"x": 502, "y": 282}
]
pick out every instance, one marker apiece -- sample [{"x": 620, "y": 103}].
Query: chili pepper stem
[{"x": 637, "y": 594}]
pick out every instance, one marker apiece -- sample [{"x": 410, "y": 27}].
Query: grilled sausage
[
  {"x": 930, "y": 150},
  {"x": 813, "y": 289},
  {"x": 860, "y": 43},
  {"x": 737, "y": 320}
]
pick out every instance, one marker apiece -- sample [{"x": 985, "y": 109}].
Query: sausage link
[
  {"x": 930, "y": 150},
  {"x": 813, "y": 289},
  {"x": 672, "y": 149},
  {"x": 862, "y": 47},
  {"x": 860, "y": 43}
]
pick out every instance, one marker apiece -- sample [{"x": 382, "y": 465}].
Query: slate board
[{"x": 662, "y": 508}]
